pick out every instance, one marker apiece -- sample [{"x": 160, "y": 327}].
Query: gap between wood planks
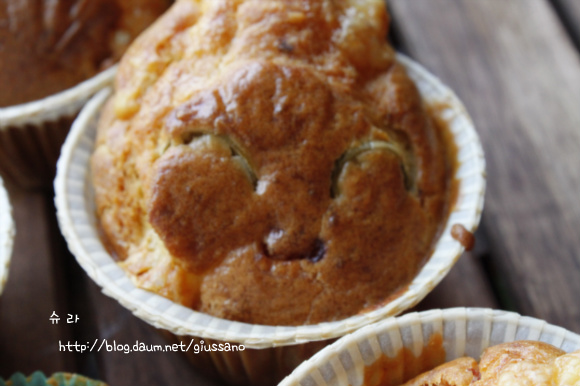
[{"x": 569, "y": 13}]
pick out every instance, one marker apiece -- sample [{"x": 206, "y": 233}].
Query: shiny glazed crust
[
  {"x": 49, "y": 46},
  {"x": 518, "y": 363},
  {"x": 269, "y": 161}
]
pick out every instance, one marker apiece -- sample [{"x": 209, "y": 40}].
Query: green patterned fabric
[{"x": 57, "y": 379}]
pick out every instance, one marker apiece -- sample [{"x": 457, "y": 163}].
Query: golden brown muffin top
[
  {"x": 48, "y": 46},
  {"x": 269, "y": 161},
  {"x": 521, "y": 363},
  {"x": 458, "y": 372}
]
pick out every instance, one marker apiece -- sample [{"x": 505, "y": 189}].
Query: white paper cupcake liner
[
  {"x": 76, "y": 215},
  {"x": 31, "y": 134},
  {"x": 6, "y": 235},
  {"x": 465, "y": 332},
  {"x": 65, "y": 103}
]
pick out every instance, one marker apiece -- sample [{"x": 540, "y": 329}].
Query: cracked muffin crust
[
  {"x": 269, "y": 161},
  {"x": 48, "y": 46}
]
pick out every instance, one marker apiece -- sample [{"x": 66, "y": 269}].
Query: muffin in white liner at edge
[
  {"x": 6, "y": 235},
  {"x": 271, "y": 351},
  {"x": 360, "y": 358}
]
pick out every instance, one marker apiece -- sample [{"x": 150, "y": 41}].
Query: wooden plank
[
  {"x": 519, "y": 75},
  {"x": 466, "y": 285},
  {"x": 117, "y": 325},
  {"x": 28, "y": 340},
  {"x": 569, "y": 11},
  {"x": 477, "y": 290}
]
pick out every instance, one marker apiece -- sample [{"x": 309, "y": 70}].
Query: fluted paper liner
[
  {"x": 31, "y": 134},
  {"x": 76, "y": 215},
  {"x": 6, "y": 235},
  {"x": 465, "y": 332}
]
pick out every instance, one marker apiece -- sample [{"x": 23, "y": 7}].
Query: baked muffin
[
  {"x": 528, "y": 363},
  {"x": 49, "y": 46},
  {"x": 270, "y": 161}
]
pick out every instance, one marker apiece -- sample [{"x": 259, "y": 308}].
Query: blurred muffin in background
[
  {"x": 53, "y": 56},
  {"x": 49, "y": 46}
]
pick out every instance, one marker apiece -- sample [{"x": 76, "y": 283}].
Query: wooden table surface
[{"x": 516, "y": 66}]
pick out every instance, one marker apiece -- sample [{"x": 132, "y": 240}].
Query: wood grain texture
[
  {"x": 116, "y": 324},
  {"x": 519, "y": 75},
  {"x": 465, "y": 286},
  {"x": 28, "y": 340}
]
